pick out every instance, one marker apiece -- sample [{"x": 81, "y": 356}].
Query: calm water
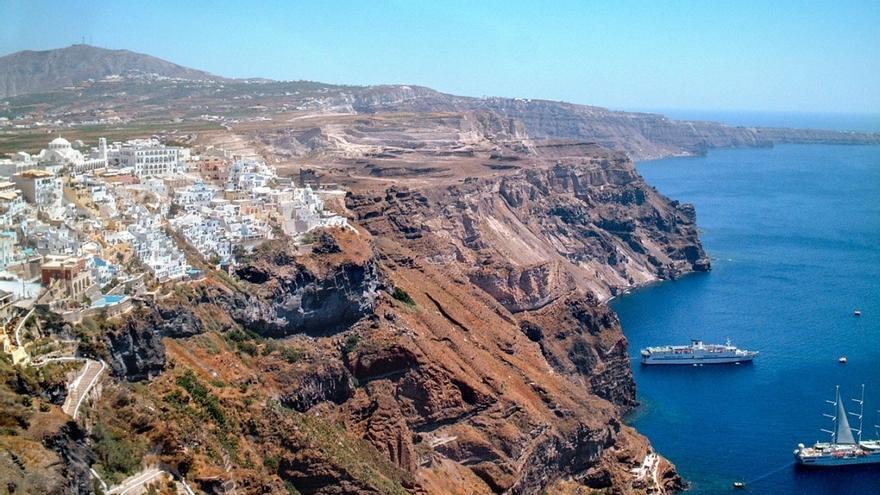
[{"x": 794, "y": 233}]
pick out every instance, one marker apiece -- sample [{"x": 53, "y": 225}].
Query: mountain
[
  {"x": 28, "y": 72},
  {"x": 183, "y": 94}
]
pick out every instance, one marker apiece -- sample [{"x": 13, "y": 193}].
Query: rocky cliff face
[
  {"x": 135, "y": 347},
  {"x": 458, "y": 341},
  {"x": 284, "y": 296},
  {"x": 534, "y": 235},
  {"x": 71, "y": 446},
  {"x": 642, "y": 136},
  {"x": 508, "y": 274}
]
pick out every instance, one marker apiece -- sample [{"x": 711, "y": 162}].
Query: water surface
[{"x": 794, "y": 233}]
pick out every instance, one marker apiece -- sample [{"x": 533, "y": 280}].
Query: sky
[{"x": 791, "y": 56}]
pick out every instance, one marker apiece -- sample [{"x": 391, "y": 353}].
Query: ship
[
  {"x": 697, "y": 353},
  {"x": 844, "y": 449}
]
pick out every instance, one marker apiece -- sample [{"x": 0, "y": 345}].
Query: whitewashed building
[
  {"x": 304, "y": 211},
  {"x": 196, "y": 195},
  {"x": 146, "y": 157},
  {"x": 157, "y": 251},
  {"x": 245, "y": 175},
  {"x": 39, "y": 187},
  {"x": 12, "y": 207},
  {"x": 61, "y": 156}
]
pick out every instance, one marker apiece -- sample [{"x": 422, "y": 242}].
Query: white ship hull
[
  {"x": 830, "y": 460},
  {"x": 696, "y": 354},
  {"x": 844, "y": 449},
  {"x": 696, "y": 359}
]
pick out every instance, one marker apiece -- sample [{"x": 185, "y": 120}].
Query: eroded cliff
[{"x": 457, "y": 341}]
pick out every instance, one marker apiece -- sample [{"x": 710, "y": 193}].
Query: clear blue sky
[{"x": 703, "y": 54}]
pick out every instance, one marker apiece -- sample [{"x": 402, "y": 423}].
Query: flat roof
[{"x": 35, "y": 173}]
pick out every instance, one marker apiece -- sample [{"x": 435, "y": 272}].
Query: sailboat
[{"x": 844, "y": 449}]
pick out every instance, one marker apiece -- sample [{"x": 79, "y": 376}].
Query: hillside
[
  {"x": 457, "y": 343},
  {"x": 456, "y": 340},
  {"x": 43, "y": 80},
  {"x": 29, "y": 72}
]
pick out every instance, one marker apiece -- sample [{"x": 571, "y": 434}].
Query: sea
[{"x": 793, "y": 232}]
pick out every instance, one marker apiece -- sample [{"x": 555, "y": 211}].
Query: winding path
[
  {"x": 137, "y": 483},
  {"x": 79, "y": 389}
]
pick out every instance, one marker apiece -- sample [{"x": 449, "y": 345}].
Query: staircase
[{"x": 81, "y": 385}]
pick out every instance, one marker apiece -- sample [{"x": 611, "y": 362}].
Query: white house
[
  {"x": 146, "y": 157},
  {"x": 198, "y": 194},
  {"x": 158, "y": 251}
]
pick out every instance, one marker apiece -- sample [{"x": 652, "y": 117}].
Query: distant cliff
[{"x": 642, "y": 136}]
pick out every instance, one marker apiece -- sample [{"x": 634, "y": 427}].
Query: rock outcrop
[
  {"x": 70, "y": 445},
  {"x": 286, "y": 297},
  {"x": 135, "y": 348},
  {"x": 457, "y": 340}
]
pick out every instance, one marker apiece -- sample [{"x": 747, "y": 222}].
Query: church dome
[{"x": 59, "y": 143}]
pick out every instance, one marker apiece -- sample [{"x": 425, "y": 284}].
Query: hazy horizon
[{"x": 811, "y": 57}]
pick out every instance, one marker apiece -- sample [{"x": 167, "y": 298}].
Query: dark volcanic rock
[
  {"x": 289, "y": 297},
  {"x": 71, "y": 445},
  {"x": 330, "y": 382},
  {"x": 136, "y": 348}
]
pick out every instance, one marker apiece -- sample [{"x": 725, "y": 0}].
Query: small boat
[
  {"x": 842, "y": 360},
  {"x": 739, "y": 485},
  {"x": 857, "y": 312}
]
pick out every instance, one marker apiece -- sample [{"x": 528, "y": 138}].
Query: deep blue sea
[{"x": 794, "y": 234}]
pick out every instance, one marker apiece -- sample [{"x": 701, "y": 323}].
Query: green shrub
[
  {"x": 118, "y": 455},
  {"x": 351, "y": 343},
  {"x": 291, "y": 354},
  {"x": 247, "y": 347},
  {"x": 271, "y": 462},
  {"x": 200, "y": 393},
  {"x": 402, "y": 296}
]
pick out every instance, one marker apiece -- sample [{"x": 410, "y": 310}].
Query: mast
[
  {"x": 877, "y": 427},
  {"x": 861, "y": 403},
  {"x": 842, "y": 433},
  {"x": 833, "y": 418}
]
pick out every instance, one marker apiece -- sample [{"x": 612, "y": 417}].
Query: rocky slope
[
  {"x": 288, "y": 104},
  {"x": 456, "y": 343}
]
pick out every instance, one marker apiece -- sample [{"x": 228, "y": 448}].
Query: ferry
[
  {"x": 844, "y": 449},
  {"x": 697, "y": 353}
]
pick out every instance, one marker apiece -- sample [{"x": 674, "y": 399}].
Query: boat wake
[{"x": 771, "y": 473}]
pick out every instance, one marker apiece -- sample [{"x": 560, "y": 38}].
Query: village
[{"x": 84, "y": 231}]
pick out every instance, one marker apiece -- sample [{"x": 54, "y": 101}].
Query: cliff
[
  {"x": 642, "y": 136},
  {"x": 153, "y": 90},
  {"x": 456, "y": 343}
]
